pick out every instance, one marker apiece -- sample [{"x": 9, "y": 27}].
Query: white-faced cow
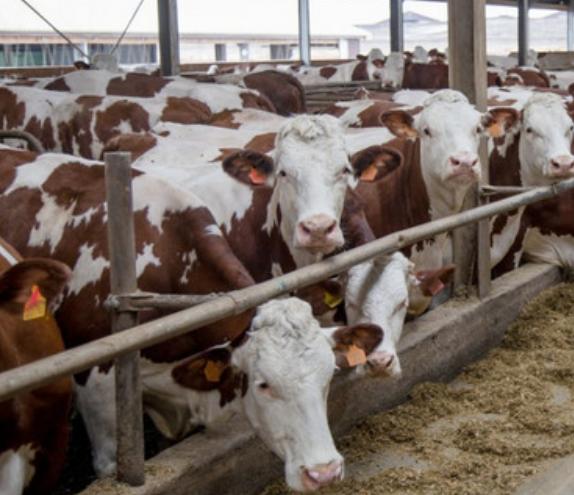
[
  {"x": 537, "y": 153},
  {"x": 33, "y": 425},
  {"x": 55, "y": 205}
]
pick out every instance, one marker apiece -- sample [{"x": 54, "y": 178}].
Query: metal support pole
[
  {"x": 523, "y": 32},
  {"x": 467, "y": 73},
  {"x": 168, "y": 37},
  {"x": 570, "y": 26},
  {"x": 304, "y": 33},
  {"x": 397, "y": 36},
  {"x": 121, "y": 243}
]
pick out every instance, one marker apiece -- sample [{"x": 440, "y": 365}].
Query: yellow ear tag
[
  {"x": 355, "y": 356},
  {"x": 35, "y": 306},
  {"x": 213, "y": 371},
  {"x": 332, "y": 300}
]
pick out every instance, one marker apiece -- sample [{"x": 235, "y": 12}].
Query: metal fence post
[{"x": 121, "y": 242}]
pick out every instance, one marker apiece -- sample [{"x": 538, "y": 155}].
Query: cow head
[
  {"x": 283, "y": 371},
  {"x": 310, "y": 172},
  {"x": 391, "y": 74},
  {"x": 29, "y": 289},
  {"x": 449, "y": 129},
  {"x": 545, "y": 140}
]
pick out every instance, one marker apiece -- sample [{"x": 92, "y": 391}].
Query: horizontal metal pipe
[
  {"x": 33, "y": 142},
  {"x": 489, "y": 190},
  {"x": 141, "y": 300},
  {"x": 83, "y": 357}
]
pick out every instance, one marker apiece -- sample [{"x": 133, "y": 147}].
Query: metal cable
[
  {"x": 127, "y": 27},
  {"x": 70, "y": 42}
]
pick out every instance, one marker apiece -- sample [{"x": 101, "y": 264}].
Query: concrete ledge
[{"x": 434, "y": 347}]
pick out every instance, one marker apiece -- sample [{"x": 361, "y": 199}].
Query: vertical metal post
[
  {"x": 570, "y": 26},
  {"x": 304, "y": 33},
  {"x": 397, "y": 35},
  {"x": 467, "y": 73},
  {"x": 168, "y": 37},
  {"x": 121, "y": 243},
  {"x": 523, "y": 40}
]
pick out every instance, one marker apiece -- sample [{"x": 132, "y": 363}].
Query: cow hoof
[{"x": 383, "y": 363}]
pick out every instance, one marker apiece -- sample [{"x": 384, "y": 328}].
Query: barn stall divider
[{"x": 125, "y": 301}]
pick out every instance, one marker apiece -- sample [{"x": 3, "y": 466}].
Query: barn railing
[{"x": 124, "y": 344}]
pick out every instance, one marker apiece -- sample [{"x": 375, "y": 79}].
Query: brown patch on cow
[
  {"x": 78, "y": 129},
  {"x": 284, "y": 91},
  {"x": 225, "y": 119},
  {"x": 12, "y": 112},
  {"x": 185, "y": 110},
  {"x": 259, "y": 102},
  {"x": 108, "y": 120},
  {"x": 536, "y": 78},
  {"x": 335, "y": 110},
  {"x": 262, "y": 143},
  {"x": 360, "y": 72},
  {"x": 43, "y": 131},
  {"x": 136, "y": 144},
  {"x": 327, "y": 72},
  {"x": 58, "y": 84},
  {"x": 371, "y": 116},
  {"x": 136, "y": 84},
  {"x": 9, "y": 159},
  {"x": 425, "y": 76}
]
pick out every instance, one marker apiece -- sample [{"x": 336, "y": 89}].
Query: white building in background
[{"x": 211, "y": 31}]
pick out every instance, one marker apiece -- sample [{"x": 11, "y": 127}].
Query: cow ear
[
  {"x": 207, "y": 371},
  {"x": 431, "y": 282},
  {"x": 375, "y": 162},
  {"x": 35, "y": 284},
  {"x": 400, "y": 123},
  {"x": 498, "y": 121},
  {"x": 352, "y": 344},
  {"x": 250, "y": 167}
]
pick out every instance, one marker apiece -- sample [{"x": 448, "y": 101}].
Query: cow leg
[
  {"x": 96, "y": 401},
  {"x": 15, "y": 472}
]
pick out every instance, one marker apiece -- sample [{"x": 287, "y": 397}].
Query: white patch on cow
[
  {"x": 549, "y": 248},
  {"x": 96, "y": 401},
  {"x": 146, "y": 258},
  {"x": 50, "y": 223},
  {"x": 16, "y": 469},
  {"x": 85, "y": 217},
  {"x": 411, "y": 97},
  {"x": 502, "y": 242},
  {"x": 213, "y": 230},
  {"x": 88, "y": 270},
  {"x": 392, "y": 74},
  {"x": 188, "y": 259},
  {"x": 378, "y": 292}
]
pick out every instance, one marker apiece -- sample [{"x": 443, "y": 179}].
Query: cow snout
[
  {"x": 321, "y": 475},
  {"x": 562, "y": 166},
  {"x": 462, "y": 164},
  {"x": 319, "y": 233}
]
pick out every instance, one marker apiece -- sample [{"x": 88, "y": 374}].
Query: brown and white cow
[
  {"x": 538, "y": 153},
  {"x": 61, "y": 212},
  {"x": 217, "y": 98},
  {"x": 33, "y": 425}
]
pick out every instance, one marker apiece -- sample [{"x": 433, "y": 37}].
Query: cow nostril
[
  {"x": 554, "y": 164},
  {"x": 455, "y": 162},
  {"x": 305, "y": 229},
  {"x": 331, "y": 228},
  {"x": 475, "y": 161}
]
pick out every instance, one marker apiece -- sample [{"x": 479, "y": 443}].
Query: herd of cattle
[{"x": 232, "y": 188}]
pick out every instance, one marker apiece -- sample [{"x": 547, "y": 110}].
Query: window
[
  {"x": 243, "y": 51},
  {"x": 281, "y": 52},
  {"x": 220, "y": 52}
]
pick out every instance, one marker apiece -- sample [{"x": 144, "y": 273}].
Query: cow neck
[
  {"x": 413, "y": 186},
  {"x": 504, "y": 163}
]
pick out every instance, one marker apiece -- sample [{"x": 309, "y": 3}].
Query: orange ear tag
[
  {"x": 331, "y": 300},
  {"x": 369, "y": 174},
  {"x": 35, "y": 306},
  {"x": 355, "y": 356},
  {"x": 256, "y": 176},
  {"x": 213, "y": 371}
]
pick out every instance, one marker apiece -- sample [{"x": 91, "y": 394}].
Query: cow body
[{"x": 33, "y": 425}]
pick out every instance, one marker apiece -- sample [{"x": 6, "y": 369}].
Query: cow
[
  {"x": 439, "y": 145},
  {"x": 527, "y": 76},
  {"x": 81, "y": 125},
  {"x": 537, "y": 153},
  {"x": 217, "y": 98},
  {"x": 59, "y": 202},
  {"x": 366, "y": 68},
  {"x": 33, "y": 425}
]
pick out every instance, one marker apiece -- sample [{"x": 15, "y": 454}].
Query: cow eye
[
  {"x": 263, "y": 386},
  {"x": 529, "y": 130},
  {"x": 347, "y": 171},
  {"x": 571, "y": 128},
  {"x": 479, "y": 130},
  {"x": 282, "y": 173},
  {"x": 427, "y": 131}
]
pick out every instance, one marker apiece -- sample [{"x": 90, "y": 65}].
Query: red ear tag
[
  {"x": 35, "y": 306},
  {"x": 369, "y": 174},
  {"x": 256, "y": 176}
]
